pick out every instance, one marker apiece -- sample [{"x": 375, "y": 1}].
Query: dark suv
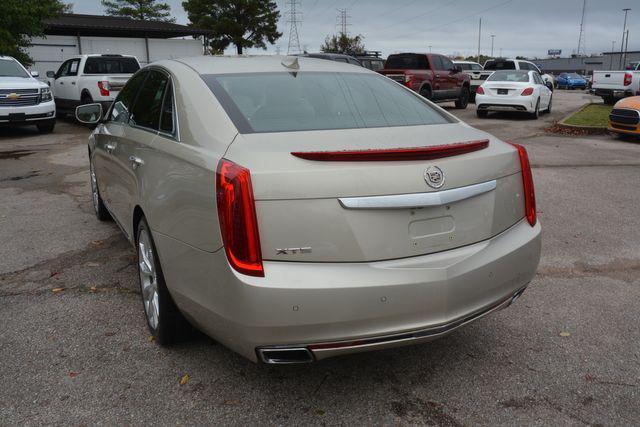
[{"x": 433, "y": 76}]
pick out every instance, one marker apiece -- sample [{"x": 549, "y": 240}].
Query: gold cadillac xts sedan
[{"x": 295, "y": 209}]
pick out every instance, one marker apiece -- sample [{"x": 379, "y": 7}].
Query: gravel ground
[{"x": 74, "y": 348}]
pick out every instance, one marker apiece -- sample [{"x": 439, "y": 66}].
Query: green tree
[
  {"x": 342, "y": 43},
  {"x": 243, "y": 23},
  {"x": 148, "y": 10},
  {"x": 21, "y": 20}
]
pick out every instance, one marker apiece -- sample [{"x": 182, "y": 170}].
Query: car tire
[
  {"x": 482, "y": 113},
  {"x": 536, "y": 112},
  {"x": 165, "y": 322},
  {"x": 98, "y": 205},
  {"x": 609, "y": 100},
  {"x": 46, "y": 127},
  {"x": 548, "y": 110},
  {"x": 427, "y": 93},
  {"x": 463, "y": 100}
]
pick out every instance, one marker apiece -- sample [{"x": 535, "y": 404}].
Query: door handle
[
  {"x": 110, "y": 148},
  {"x": 61, "y": 83},
  {"x": 73, "y": 83},
  {"x": 135, "y": 162}
]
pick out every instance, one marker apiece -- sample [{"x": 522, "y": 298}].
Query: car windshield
[
  {"x": 110, "y": 65},
  {"x": 499, "y": 65},
  {"x": 509, "y": 76},
  {"x": 282, "y": 102},
  {"x": 11, "y": 68},
  {"x": 574, "y": 76}
]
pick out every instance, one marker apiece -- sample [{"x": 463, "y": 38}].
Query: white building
[{"x": 149, "y": 41}]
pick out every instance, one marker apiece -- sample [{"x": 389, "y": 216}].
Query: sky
[{"x": 521, "y": 27}]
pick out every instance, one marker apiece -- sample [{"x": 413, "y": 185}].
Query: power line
[
  {"x": 394, "y": 9},
  {"x": 294, "y": 16},
  {"x": 413, "y": 18}
]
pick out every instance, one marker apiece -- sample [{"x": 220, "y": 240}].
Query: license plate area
[
  {"x": 17, "y": 117},
  {"x": 503, "y": 91}
]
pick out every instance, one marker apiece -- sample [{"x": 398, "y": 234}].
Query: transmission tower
[
  {"x": 343, "y": 21},
  {"x": 581, "y": 49},
  {"x": 294, "y": 17}
]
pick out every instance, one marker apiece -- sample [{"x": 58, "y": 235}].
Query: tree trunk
[{"x": 239, "y": 49}]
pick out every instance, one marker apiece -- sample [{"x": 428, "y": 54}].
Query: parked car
[
  {"x": 85, "y": 79},
  {"x": 517, "y": 64},
  {"x": 571, "y": 81},
  {"x": 613, "y": 85},
  {"x": 338, "y": 57},
  {"x": 263, "y": 210},
  {"x": 24, "y": 100},
  {"x": 474, "y": 71},
  {"x": 624, "y": 118},
  {"x": 431, "y": 75},
  {"x": 370, "y": 59},
  {"x": 514, "y": 90}
]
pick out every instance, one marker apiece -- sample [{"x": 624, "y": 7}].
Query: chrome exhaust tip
[
  {"x": 285, "y": 356},
  {"x": 517, "y": 295}
]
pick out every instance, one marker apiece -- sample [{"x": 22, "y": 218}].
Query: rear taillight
[
  {"x": 238, "y": 221},
  {"x": 479, "y": 90},
  {"x": 104, "y": 88},
  {"x": 408, "y": 80},
  {"x": 527, "y": 184},
  {"x": 627, "y": 79},
  {"x": 527, "y": 92}
]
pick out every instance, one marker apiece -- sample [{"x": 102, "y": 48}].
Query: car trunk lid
[{"x": 332, "y": 211}]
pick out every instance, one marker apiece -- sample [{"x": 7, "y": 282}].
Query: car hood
[{"x": 20, "y": 83}]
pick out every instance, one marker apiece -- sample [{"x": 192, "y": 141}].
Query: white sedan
[{"x": 513, "y": 90}]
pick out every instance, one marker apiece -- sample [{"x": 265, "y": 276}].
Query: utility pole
[
  {"x": 624, "y": 29},
  {"x": 500, "y": 52},
  {"x": 294, "y": 17},
  {"x": 479, "y": 35},
  {"x": 581, "y": 36},
  {"x": 626, "y": 46},
  {"x": 613, "y": 48},
  {"x": 429, "y": 48},
  {"x": 493, "y": 36}
]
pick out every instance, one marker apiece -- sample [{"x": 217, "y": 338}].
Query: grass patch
[{"x": 591, "y": 115}]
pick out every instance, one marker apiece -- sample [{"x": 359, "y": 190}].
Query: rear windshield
[
  {"x": 468, "y": 67},
  {"x": 283, "y": 102},
  {"x": 509, "y": 76},
  {"x": 11, "y": 68},
  {"x": 499, "y": 65},
  {"x": 107, "y": 65},
  {"x": 407, "y": 61}
]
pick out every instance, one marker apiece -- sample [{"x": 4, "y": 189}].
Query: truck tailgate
[{"x": 609, "y": 80}]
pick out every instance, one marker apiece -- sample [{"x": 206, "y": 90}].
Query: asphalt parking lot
[{"x": 74, "y": 347}]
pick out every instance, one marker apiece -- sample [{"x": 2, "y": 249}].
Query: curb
[{"x": 586, "y": 129}]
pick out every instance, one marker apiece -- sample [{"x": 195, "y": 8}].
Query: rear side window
[
  {"x": 283, "y": 102},
  {"x": 446, "y": 63},
  {"x": 110, "y": 65},
  {"x": 407, "y": 61},
  {"x": 122, "y": 105},
  {"x": 499, "y": 65},
  {"x": 166, "y": 116},
  {"x": 146, "y": 110}
]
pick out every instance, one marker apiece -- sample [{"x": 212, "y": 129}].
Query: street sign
[{"x": 554, "y": 52}]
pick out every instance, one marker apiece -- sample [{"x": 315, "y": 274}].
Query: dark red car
[{"x": 432, "y": 75}]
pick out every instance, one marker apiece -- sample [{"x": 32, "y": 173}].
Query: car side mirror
[
  {"x": 89, "y": 113},
  {"x": 51, "y": 74},
  {"x": 34, "y": 74},
  {"x": 549, "y": 85}
]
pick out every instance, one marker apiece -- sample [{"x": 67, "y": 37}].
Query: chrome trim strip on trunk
[{"x": 417, "y": 200}]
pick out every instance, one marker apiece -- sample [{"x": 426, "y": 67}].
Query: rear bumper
[
  {"x": 312, "y": 305},
  {"x": 615, "y": 93},
  {"x": 27, "y": 114},
  {"x": 505, "y": 103}
]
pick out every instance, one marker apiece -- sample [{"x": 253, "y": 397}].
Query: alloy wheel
[{"x": 148, "y": 278}]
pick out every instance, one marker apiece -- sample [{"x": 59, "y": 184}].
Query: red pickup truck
[{"x": 431, "y": 75}]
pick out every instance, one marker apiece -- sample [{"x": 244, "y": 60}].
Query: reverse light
[
  {"x": 104, "y": 87},
  {"x": 479, "y": 90},
  {"x": 527, "y": 184},
  {"x": 627, "y": 79},
  {"x": 238, "y": 221},
  {"x": 527, "y": 92}
]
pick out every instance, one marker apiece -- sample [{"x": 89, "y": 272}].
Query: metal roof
[{"x": 71, "y": 24}]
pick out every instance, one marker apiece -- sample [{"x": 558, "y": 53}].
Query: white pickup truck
[
  {"x": 613, "y": 85},
  {"x": 85, "y": 79},
  {"x": 23, "y": 99}
]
